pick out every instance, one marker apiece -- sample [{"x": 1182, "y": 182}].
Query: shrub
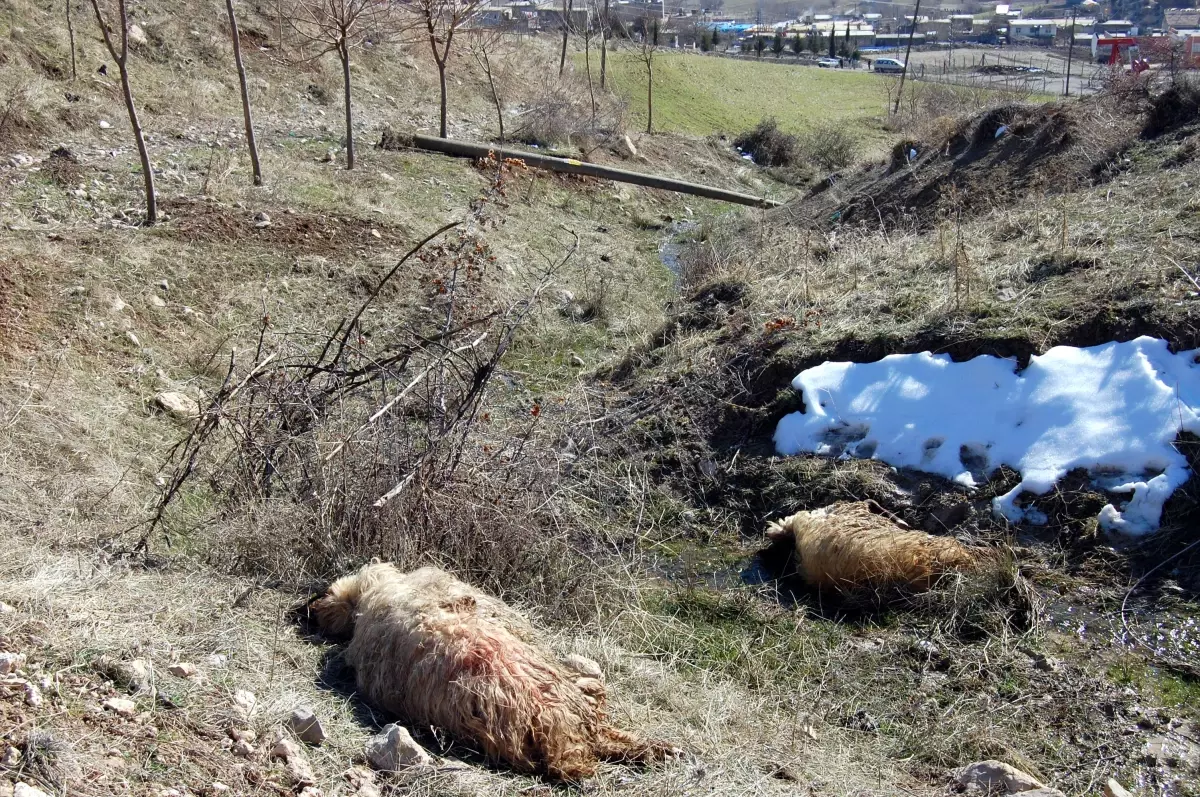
[
  {"x": 1178, "y": 105},
  {"x": 767, "y": 144},
  {"x": 829, "y": 146},
  {"x": 559, "y": 112}
]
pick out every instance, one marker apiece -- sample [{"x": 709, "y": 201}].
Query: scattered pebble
[
  {"x": 179, "y": 406},
  {"x": 11, "y": 662},
  {"x": 242, "y": 749},
  {"x": 157, "y": 301},
  {"x": 182, "y": 670},
  {"x": 25, "y": 790},
  {"x": 104, "y": 125},
  {"x": 246, "y": 701},
  {"x": 133, "y": 338},
  {"x": 122, "y": 706}
]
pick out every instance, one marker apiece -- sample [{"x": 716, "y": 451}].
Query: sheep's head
[
  {"x": 792, "y": 527},
  {"x": 335, "y": 610}
]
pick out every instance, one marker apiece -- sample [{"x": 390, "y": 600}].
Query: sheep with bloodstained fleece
[
  {"x": 847, "y": 546},
  {"x": 436, "y": 651}
]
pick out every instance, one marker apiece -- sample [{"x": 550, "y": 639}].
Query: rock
[
  {"x": 394, "y": 749},
  {"x": 375, "y": 233},
  {"x": 262, "y": 220},
  {"x": 299, "y": 771},
  {"x": 242, "y": 748},
  {"x": 182, "y": 670},
  {"x": 330, "y": 156},
  {"x": 583, "y": 665},
  {"x": 216, "y": 660},
  {"x": 1046, "y": 663},
  {"x": 285, "y": 749},
  {"x": 217, "y": 787},
  {"x": 6, "y": 608},
  {"x": 990, "y": 777},
  {"x": 245, "y": 701},
  {"x": 1114, "y": 789},
  {"x": 25, "y": 790},
  {"x": 33, "y": 696},
  {"x": 242, "y": 735},
  {"x": 11, "y": 662},
  {"x": 117, "y": 305},
  {"x": 134, "y": 676},
  {"x": 577, "y": 361},
  {"x": 179, "y": 406},
  {"x": 11, "y": 757},
  {"x": 122, "y": 706},
  {"x": 137, "y": 35},
  {"x": 157, "y": 301},
  {"x": 132, "y": 338},
  {"x": 104, "y": 125},
  {"x": 304, "y": 724},
  {"x": 164, "y": 286},
  {"x": 628, "y": 150}
]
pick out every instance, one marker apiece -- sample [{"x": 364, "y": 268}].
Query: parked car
[
  {"x": 828, "y": 63},
  {"x": 888, "y": 65}
]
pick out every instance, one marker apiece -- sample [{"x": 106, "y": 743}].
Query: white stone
[
  {"x": 104, "y": 125},
  {"x": 25, "y": 790},
  {"x": 137, "y": 35},
  {"x": 179, "y": 406},
  {"x": 992, "y": 777},
  {"x": 246, "y": 701},
  {"x": 33, "y": 696},
  {"x": 122, "y": 706},
  {"x": 11, "y": 757},
  {"x": 132, "y": 338},
  {"x": 11, "y": 662},
  {"x": 6, "y": 608},
  {"x": 216, "y": 660},
  {"x": 285, "y": 749},
  {"x": 393, "y": 749},
  {"x": 242, "y": 748},
  {"x": 627, "y": 147},
  {"x": 306, "y": 726},
  {"x": 157, "y": 301},
  {"x": 1114, "y": 789},
  {"x": 182, "y": 670}
]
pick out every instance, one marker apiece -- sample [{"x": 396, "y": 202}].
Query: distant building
[{"x": 1179, "y": 19}]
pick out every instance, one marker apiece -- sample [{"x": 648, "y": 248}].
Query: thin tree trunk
[
  {"x": 566, "y": 24},
  {"x": 587, "y": 60},
  {"x": 143, "y": 153},
  {"x": 441, "y": 65},
  {"x": 650, "y": 94},
  {"x": 344, "y": 54},
  {"x": 604, "y": 46},
  {"x": 487, "y": 68},
  {"x": 241, "y": 70},
  {"x": 122, "y": 60},
  {"x": 71, "y": 37}
]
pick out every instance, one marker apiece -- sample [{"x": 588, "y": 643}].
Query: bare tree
[
  {"x": 650, "y": 30},
  {"x": 604, "y": 31},
  {"x": 71, "y": 38},
  {"x": 120, "y": 55},
  {"x": 341, "y": 26},
  {"x": 441, "y": 19},
  {"x": 490, "y": 50},
  {"x": 241, "y": 70},
  {"x": 587, "y": 57},
  {"x": 566, "y": 32}
]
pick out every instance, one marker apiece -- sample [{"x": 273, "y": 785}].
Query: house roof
[{"x": 1183, "y": 18}]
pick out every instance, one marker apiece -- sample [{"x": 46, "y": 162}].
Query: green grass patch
[
  {"x": 1169, "y": 689},
  {"x": 703, "y": 95}
]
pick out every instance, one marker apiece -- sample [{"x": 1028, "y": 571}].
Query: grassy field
[{"x": 705, "y": 95}]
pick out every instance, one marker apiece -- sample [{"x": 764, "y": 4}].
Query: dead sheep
[
  {"x": 846, "y": 546},
  {"x": 436, "y": 651}
]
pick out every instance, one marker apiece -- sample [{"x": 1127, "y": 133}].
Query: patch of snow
[{"x": 1113, "y": 409}]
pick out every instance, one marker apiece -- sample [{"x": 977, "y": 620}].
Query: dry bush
[
  {"x": 1178, "y": 105},
  {"x": 768, "y": 145},
  {"x": 563, "y": 112},
  {"x": 387, "y": 438},
  {"x": 831, "y": 146},
  {"x": 21, "y": 119},
  {"x": 929, "y": 111}
]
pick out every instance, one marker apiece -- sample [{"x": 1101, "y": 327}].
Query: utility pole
[
  {"x": 907, "y": 54},
  {"x": 1070, "y": 52}
]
